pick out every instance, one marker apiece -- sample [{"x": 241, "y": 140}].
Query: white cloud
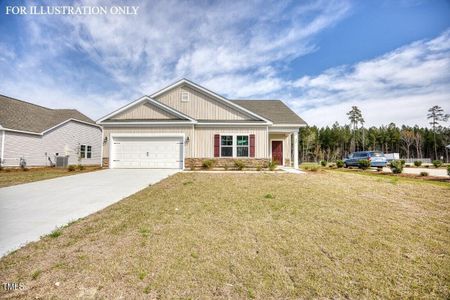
[
  {"x": 237, "y": 48},
  {"x": 397, "y": 87},
  {"x": 234, "y": 43}
]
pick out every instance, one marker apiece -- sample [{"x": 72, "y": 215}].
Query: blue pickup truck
[{"x": 376, "y": 159}]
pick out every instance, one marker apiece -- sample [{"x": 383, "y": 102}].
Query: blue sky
[{"x": 391, "y": 58}]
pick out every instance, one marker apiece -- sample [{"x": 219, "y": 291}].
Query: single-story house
[
  {"x": 183, "y": 124},
  {"x": 36, "y": 135}
]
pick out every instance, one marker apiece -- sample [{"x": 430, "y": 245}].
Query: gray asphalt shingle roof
[
  {"x": 273, "y": 110},
  {"x": 20, "y": 115}
]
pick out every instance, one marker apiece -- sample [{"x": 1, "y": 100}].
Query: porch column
[{"x": 295, "y": 150}]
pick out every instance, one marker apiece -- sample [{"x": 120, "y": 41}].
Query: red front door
[{"x": 277, "y": 152}]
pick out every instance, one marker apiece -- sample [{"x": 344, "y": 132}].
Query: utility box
[{"x": 62, "y": 161}]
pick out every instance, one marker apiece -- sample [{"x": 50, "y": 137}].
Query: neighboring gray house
[
  {"x": 38, "y": 134},
  {"x": 185, "y": 123}
]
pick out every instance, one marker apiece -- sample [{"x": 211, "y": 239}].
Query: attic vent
[{"x": 184, "y": 97}]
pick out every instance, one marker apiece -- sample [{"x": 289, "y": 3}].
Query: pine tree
[{"x": 436, "y": 114}]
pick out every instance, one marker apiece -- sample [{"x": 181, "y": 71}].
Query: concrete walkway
[{"x": 28, "y": 211}]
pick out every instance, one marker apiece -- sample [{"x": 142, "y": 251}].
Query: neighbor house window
[
  {"x": 226, "y": 145},
  {"x": 85, "y": 151},
  {"x": 89, "y": 152},
  {"x": 242, "y": 146}
]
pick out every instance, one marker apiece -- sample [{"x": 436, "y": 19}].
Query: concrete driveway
[
  {"x": 28, "y": 211},
  {"x": 432, "y": 171}
]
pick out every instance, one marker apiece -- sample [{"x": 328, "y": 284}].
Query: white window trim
[
  {"x": 234, "y": 146},
  {"x": 85, "y": 151}
]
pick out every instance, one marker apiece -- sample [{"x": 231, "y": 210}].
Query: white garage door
[{"x": 147, "y": 152}]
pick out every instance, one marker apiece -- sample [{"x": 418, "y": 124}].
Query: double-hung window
[
  {"x": 242, "y": 145},
  {"x": 226, "y": 145},
  {"x": 85, "y": 151},
  {"x": 234, "y": 146}
]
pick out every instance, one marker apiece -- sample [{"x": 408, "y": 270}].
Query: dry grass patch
[
  {"x": 10, "y": 177},
  {"x": 194, "y": 235}
]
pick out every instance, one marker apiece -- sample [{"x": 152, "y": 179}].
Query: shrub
[
  {"x": 272, "y": 165},
  {"x": 403, "y": 162},
  {"x": 437, "y": 163},
  {"x": 448, "y": 170},
  {"x": 323, "y": 163},
  {"x": 71, "y": 168},
  {"x": 208, "y": 164},
  {"x": 423, "y": 174},
  {"x": 340, "y": 163},
  {"x": 258, "y": 168},
  {"x": 269, "y": 196},
  {"x": 226, "y": 167},
  {"x": 239, "y": 164},
  {"x": 396, "y": 167},
  {"x": 80, "y": 167},
  {"x": 55, "y": 233},
  {"x": 313, "y": 168},
  {"x": 418, "y": 163},
  {"x": 364, "y": 164},
  {"x": 427, "y": 166}
]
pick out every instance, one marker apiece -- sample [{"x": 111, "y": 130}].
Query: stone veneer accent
[
  {"x": 219, "y": 162},
  {"x": 105, "y": 162},
  {"x": 222, "y": 162}
]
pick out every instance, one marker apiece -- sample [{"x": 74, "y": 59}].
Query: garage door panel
[{"x": 147, "y": 152}]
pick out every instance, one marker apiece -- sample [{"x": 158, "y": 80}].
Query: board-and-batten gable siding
[
  {"x": 204, "y": 140},
  {"x": 144, "y": 111},
  {"x": 63, "y": 140},
  {"x": 200, "y": 106},
  {"x": 286, "y": 143},
  {"x": 187, "y": 130}
]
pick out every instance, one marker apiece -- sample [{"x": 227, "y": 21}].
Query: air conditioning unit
[{"x": 62, "y": 161}]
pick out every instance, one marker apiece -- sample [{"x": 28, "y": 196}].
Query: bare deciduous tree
[
  {"x": 418, "y": 144},
  {"x": 407, "y": 137}
]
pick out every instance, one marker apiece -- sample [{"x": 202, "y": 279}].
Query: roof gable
[
  {"x": 206, "y": 104},
  {"x": 145, "y": 109},
  {"x": 24, "y": 116}
]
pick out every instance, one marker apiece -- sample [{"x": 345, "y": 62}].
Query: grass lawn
[
  {"x": 197, "y": 235},
  {"x": 10, "y": 177}
]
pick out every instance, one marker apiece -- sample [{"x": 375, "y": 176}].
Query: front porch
[{"x": 283, "y": 146}]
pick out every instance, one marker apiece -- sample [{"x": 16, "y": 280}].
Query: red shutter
[
  {"x": 216, "y": 145},
  {"x": 252, "y": 145}
]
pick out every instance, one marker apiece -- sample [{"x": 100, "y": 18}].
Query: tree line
[{"x": 336, "y": 142}]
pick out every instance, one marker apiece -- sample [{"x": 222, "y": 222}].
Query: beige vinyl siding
[
  {"x": 200, "y": 106},
  {"x": 64, "y": 140},
  {"x": 204, "y": 140},
  {"x": 144, "y": 111},
  {"x": 286, "y": 144},
  {"x": 187, "y": 130}
]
